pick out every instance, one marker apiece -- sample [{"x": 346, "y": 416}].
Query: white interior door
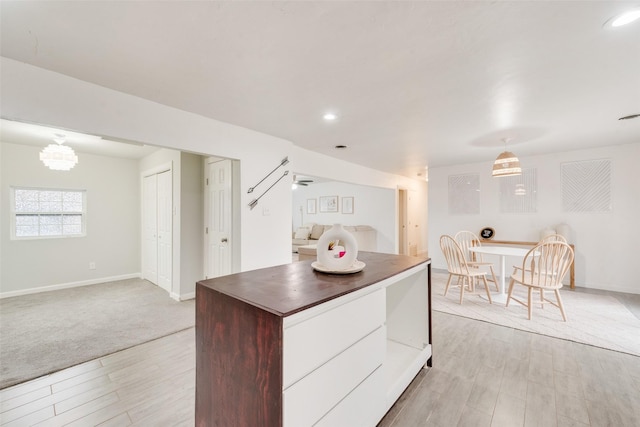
[
  {"x": 150, "y": 229},
  {"x": 165, "y": 227},
  {"x": 218, "y": 219}
]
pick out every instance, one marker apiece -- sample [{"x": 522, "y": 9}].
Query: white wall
[
  {"x": 605, "y": 244},
  {"x": 373, "y": 206},
  {"x": 113, "y": 212},
  {"x": 114, "y": 206},
  {"x": 314, "y": 164},
  {"x": 36, "y": 95},
  {"x": 191, "y": 226}
]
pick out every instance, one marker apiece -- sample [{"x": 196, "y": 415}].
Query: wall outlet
[{"x": 92, "y": 265}]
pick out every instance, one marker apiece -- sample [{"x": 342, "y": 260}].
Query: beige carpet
[
  {"x": 49, "y": 331},
  {"x": 597, "y": 320}
]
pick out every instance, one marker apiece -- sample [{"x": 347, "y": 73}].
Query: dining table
[{"x": 503, "y": 252}]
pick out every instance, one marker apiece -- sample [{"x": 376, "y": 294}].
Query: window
[{"x": 45, "y": 213}]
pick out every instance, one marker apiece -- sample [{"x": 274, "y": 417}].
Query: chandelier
[{"x": 57, "y": 156}]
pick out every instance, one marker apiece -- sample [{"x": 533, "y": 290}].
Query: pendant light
[{"x": 507, "y": 164}]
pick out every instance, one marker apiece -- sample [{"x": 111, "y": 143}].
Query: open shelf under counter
[
  {"x": 289, "y": 333},
  {"x": 402, "y": 363}
]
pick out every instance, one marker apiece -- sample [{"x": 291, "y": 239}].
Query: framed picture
[
  {"x": 311, "y": 206},
  {"x": 347, "y": 205},
  {"x": 487, "y": 233},
  {"x": 329, "y": 204}
]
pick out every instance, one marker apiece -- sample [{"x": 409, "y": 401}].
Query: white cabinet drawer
[
  {"x": 312, "y": 342},
  {"x": 309, "y": 399},
  {"x": 364, "y": 406}
]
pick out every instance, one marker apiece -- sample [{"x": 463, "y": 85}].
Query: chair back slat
[
  {"x": 467, "y": 240},
  {"x": 456, "y": 261},
  {"x": 553, "y": 238},
  {"x": 547, "y": 264}
]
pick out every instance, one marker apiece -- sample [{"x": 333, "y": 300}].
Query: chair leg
[
  {"x": 462, "y": 289},
  {"x": 486, "y": 288},
  {"x": 542, "y": 298},
  {"x": 564, "y": 317},
  {"x": 529, "y": 306},
  {"x": 446, "y": 288},
  {"x": 511, "y": 283},
  {"x": 471, "y": 284},
  {"x": 495, "y": 280}
]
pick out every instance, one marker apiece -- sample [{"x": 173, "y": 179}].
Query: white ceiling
[
  {"x": 41, "y": 136},
  {"x": 415, "y": 84}
]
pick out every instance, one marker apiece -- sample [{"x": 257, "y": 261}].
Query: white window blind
[{"x": 45, "y": 213}]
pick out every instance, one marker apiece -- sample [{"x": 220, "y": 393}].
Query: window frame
[{"x": 14, "y": 215}]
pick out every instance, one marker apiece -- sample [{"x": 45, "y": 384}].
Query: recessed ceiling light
[
  {"x": 340, "y": 147},
  {"x": 624, "y": 18},
  {"x": 329, "y": 117}
]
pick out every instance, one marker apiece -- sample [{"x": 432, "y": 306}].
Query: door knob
[{"x": 224, "y": 240}]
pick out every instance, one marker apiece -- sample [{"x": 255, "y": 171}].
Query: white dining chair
[
  {"x": 468, "y": 239},
  {"x": 457, "y": 266},
  {"x": 544, "y": 267}
]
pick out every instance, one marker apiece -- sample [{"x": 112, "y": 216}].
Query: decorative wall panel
[
  {"x": 586, "y": 186},
  {"x": 518, "y": 194},
  {"x": 464, "y": 194}
]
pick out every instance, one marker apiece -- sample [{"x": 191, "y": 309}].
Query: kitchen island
[{"x": 290, "y": 346}]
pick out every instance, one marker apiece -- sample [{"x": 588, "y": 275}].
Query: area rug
[
  {"x": 49, "y": 331},
  {"x": 597, "y": 320}
]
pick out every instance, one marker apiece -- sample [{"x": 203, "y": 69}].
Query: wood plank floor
[
  {"x": 483, "y": 375},
  {"x": 152, "y": 384}
]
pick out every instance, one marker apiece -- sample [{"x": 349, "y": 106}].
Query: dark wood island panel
[
  {"x": 238, "y": 363},
  {"x": 239, "y": 333}
]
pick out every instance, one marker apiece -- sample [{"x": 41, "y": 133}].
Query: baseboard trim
[
  {"x": 184, "y": 297},
  {"x": 69, "y": 285}
]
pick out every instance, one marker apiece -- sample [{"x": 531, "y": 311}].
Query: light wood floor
[{"x": 483, "y": 375}]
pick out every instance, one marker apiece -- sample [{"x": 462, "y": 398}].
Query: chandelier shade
[
  {"x": 58, "y": 157},
  {"x": 507, "y": 164}
]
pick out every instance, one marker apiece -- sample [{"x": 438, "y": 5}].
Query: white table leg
[{"x": 501, "y": 298}]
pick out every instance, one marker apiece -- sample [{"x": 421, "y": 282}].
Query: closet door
[
  {"x": 150, "y": 229},
  {"x": 157, "y": 216},
  {"x": 165, "y": 226}
]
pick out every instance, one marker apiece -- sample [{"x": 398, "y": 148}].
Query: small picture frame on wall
[
  {"x": 487, "y": 233},
  {"x": 329, "y": 204},
  {"x": 311, "y": 206},
  {"x": 347, "y": 205}
]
